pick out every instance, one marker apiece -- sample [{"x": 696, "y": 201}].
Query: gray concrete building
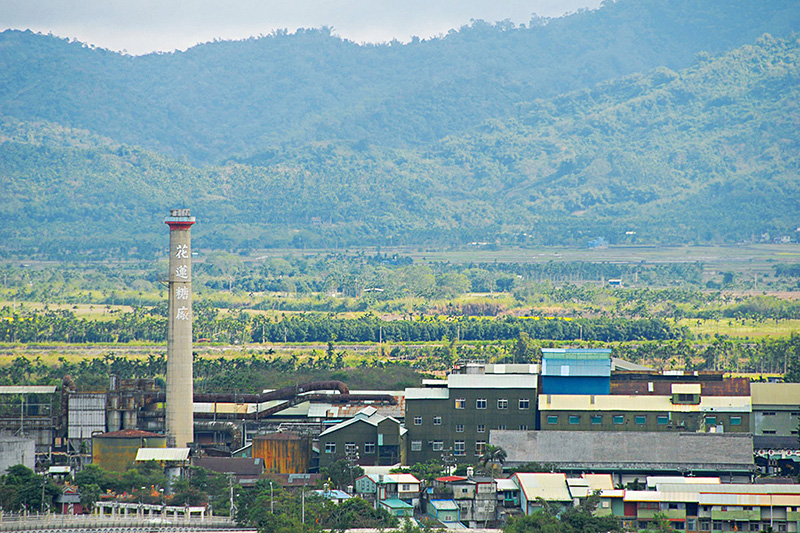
[
  {"x": 776, "y": 415},
  {"x": 453, "y": 417}
]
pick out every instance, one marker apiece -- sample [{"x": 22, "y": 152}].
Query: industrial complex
[{"x": 586, "y": 421}]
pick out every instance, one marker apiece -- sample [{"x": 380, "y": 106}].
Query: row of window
[
  {"x": 502, "y": 403},
  {"x": 350, "y": 448},
  {"x": 661, "y": 420},
  {"x": 459, "y": 447},
  {"x": 717, "y": 525},
  {"x": 479, "y": 428}
]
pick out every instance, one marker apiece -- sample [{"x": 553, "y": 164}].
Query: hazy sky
[{"x": 142, "y": 26}]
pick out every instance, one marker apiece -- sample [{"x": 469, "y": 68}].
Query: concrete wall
[{"x": 16, "y": 450}]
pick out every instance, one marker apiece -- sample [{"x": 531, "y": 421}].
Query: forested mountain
[
  {"x": 658, "y": 121},
  {"x": 703, "y": 154},
  {"x": 225, "y": 98}
]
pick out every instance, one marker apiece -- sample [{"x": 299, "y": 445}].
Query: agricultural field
[{"x": 731, "y": 308}]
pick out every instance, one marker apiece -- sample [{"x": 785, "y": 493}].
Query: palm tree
[{"x": 493, "y": 454}]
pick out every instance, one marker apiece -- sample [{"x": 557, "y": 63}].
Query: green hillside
[
  {"x": 283, "y": 90},
  {"x": 703, "y": 154}
]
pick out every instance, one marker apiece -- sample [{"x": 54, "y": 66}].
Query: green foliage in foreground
[
  {"x": 552, "y": 519},
  {"x": 256, "y": 506},
  {"x": 22, "y": 489}
]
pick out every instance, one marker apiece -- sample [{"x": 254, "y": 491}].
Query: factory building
[{"x": 453, "y": 417}]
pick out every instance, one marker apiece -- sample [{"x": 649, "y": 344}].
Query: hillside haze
[{"x": 674, "y": 120}]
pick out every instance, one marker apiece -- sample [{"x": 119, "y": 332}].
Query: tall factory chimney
[{"x": 180, "y": 388}]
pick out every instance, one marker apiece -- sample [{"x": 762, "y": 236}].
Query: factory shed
[
  {"x": 246, "y": 470},
  {"x": 629, "y": 455}
]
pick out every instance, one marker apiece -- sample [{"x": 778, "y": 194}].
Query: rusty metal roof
[{"x": 129, "y": 434}]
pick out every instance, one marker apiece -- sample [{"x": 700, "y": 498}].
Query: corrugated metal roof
[
  {"x": 735, "y": 488},
  {"x": 599, "y": 481},
  {"x": 506, "y": 484},
  {"x": 627, "y": 449},
  {"x": 660, "y": 496},
  {"x": 444, "y": 505},
  {"x": 128, "y": 434},
  {"x": 28, "y": 389},
  {"x": 577, "y": 353},
  {"x": 586, "y": 402},
  {"x": 659, "y": 481},
  {"x": 686, "y": 388},
  {"x": 404, "y": 478},
  {"x": 394, "y": 503},
  {"x": 550, "y": 487},
  {"x": 775, "y": 394},
  {"x": 162, "y": 454}
]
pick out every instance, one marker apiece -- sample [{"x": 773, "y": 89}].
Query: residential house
[
  {"x": 379, "y": 487},
  {"x": 445, "y": 511},
  {"x": 716, "y": 507},
  {"x": 537, "y": 487}
]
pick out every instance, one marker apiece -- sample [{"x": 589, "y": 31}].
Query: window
[
  {"x": 459, "y": 428},
  {"x": 417, "y": 420},
  {"x": 678, "y": 526},
  {"x": 330, "y": 447},
  {"x": 437, "y": 420},
  {"x": 350, "y": 448},
  {"x": 705, "y": 525},
  {"x": 552, "y": 419},
  {"x": 369, "y": 447},
  {"x": 597, "y": 419},
  {"x": 574, "y": 419},
  {"x": 459, "y": 448},
  {"x": 437, "y": 446},
  {"x": 480, "y": 447},
  {"x": 769, "y": 432},
  {"x": 691, "y": 524},
  {"x": 769, "y": 413},
  {"x": 717, "y": 525},
  {"x": 416, "y": 445},
  {"x": 685, "y": 398},
  {"x": 405, "y": 487},
  {"x": 662, "y": 420},
  {"x": 711, "y": 420},
  {"x": 501, "y": 426},
  {"x": 461, "y": 403},
  {"x": 524, "y": 403},
  {"x": 736, "y": 420},
  {"x": 523, "y": 427},
  {"x": 502, "y": 403},
  {"x": 481, "y": 428},
  {"x": 619, "y": 419},
  {"x": 480, "y": 403},
  {"x": 640, "y": 419}
]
